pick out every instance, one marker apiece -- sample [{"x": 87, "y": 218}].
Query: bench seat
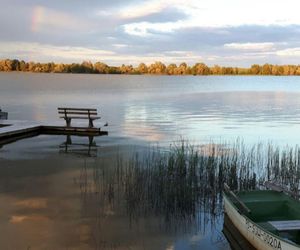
[{"x": 286, "y": 225}]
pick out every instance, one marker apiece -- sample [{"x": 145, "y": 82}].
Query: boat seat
[{"x": 286, "y": 225}]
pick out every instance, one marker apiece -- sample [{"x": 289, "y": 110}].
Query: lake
[
  {"x": 164, "y": 108},
  {"x": 54, "y": 196}
]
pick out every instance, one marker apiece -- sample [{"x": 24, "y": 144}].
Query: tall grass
[{"x": 185, "y": 182}]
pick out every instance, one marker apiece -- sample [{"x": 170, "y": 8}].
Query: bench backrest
[{"x": 77, "y": 111}]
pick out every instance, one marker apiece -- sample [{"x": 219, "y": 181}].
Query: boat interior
[{"x": 274, "y": 211}]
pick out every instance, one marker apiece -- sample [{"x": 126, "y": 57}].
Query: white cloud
[
  {"x": 250, "y": 46},
  {"x": 46, "y": 52},
  {"x": 290, "y": 52},
  {"x": 143, "y": 9},
  {"x": 218, "y": 13},
  {"x": 35, "y": 51},
  {"x": 212, "y": 13},
  {"x": 145, "y": 28},
  {"x": 120, "y": 45},
  {"x": 179, "y": 53}
]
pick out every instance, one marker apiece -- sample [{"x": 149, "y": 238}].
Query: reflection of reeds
[{"x": 185, "y": 182}]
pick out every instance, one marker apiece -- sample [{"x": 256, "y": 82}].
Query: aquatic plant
[{"x": 184, "y": 182}]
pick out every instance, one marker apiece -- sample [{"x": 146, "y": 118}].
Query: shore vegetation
[{"x": 156, "y": 68}]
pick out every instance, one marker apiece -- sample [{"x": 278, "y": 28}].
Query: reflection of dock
[
  {"x": 11, "y": 131},
  {"x": 234, "y": 237}
]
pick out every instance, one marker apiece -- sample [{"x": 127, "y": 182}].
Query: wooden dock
[
  {"x": 62, "y": 130},
  {"x": 12, "y": 130}
]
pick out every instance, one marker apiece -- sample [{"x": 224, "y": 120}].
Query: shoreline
[{"x": 156, "y": 68}]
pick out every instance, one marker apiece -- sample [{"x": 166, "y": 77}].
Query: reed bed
[{"x": 185, "y": 182}]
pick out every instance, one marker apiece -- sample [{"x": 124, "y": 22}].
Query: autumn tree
[
  {"x": 7, "y": 65},
  {"x": 157, "y": 68},
  {"x": 297, "y": 71},
  {"x": 126, "y": 69},
  {"x": 172, "y": 69},
  {"x": 87, "y": 67},
  {"x": 59, "y": 68},
  {"x": 142, "y": 68},
  {"x": 255, "y": 69},
  {"x": 200, "y": 69},
  {"x": 23, "y": 66},
  {"x": 266, "y": 69},
  {"x": 101, "y": 68},
  {"x": 216, "y": 70},
  {"x": 182, "y": 69}
]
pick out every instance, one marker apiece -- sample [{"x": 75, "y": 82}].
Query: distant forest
[{"x": 157, "y": 68}]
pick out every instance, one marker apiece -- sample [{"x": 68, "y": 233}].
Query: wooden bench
[
  {"x": 78, "y": 113},
  {"x": 3, "y": 115}
]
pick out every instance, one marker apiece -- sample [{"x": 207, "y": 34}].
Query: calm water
[
  {"x": 58, "y": 197},
  {"x": 163, "y": 108}
]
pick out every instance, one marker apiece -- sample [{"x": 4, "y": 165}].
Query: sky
[{"x": 225, "y": 32}]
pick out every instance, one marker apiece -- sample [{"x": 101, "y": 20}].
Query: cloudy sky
[{"x": 231, "y": 32}]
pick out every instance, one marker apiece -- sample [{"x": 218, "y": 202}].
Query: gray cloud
[
  {"x": 96, "y": 25},
  {"x": 198, "y": 39}
]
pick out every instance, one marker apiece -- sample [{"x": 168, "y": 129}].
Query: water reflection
[
  {"x": 162, "y": 209},
  {"x": 104, "y": 202},
  {"x": 79, "y": 148},
  {"x": 113, "y": 198},
  {"x": 125, "y": 198},
  {"x": 163, "y": 108},
  {"x": 236, "y": 240},
  {"x": 203, "y": 116}
]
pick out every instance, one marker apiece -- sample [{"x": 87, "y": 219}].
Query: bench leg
[
  {"x": 68, "y": 121},
  {"x": 69, "y": 140},
  {"x": 91, "y": 125},
  {"x": 91, "y": 140}
]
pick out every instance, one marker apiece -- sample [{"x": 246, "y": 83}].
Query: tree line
[{"x": 157, "y": 68}]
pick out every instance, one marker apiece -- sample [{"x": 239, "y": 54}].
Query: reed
[{"x": 185, "y": 182}]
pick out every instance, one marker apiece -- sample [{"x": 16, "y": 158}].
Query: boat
[{"x": 267, "y": 219}]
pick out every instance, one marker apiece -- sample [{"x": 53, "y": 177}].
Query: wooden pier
[{"x": 12, "y": 130}]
